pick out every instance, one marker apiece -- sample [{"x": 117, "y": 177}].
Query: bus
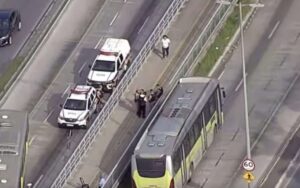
[
  {"x": 178, "y": 135},
  {"x": 13, "y": 148}
]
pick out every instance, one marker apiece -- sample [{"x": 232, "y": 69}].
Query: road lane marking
[
  {"x": 221, "y": 74},
  {"x": 98, "y": 43},
  {"x": 51, "y": 112},
  {"x": 240, "y": 83},
  {"x": 31, "y": 140},
  {"x": 143, "y": 25},
  {"x": 82, "y": 67},
  {"x": 274, "y": 29},
  {"x": 113, "y": 20},
  {"x": 38, "y": 181},
  {"x": 66, "y": 90},
  {"x": 289, "y": 172}
]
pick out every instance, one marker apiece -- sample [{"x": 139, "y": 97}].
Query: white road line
[
  {"x": 274, "y": 29},
  {"x": 98, "y": 43},
  {"x": 143, "y": 25},
  {"x": 31, "y": 140},
  {"x": 289, "y": 172},
  {"x": 81, "y": 68},
  {"x": 66, "y": 90},
  {"x": 38, "y": 181},
  {"x": 239, "y": 85},
  {"x": 221, "y": 74},
  {"x": 113, "y": 20},
  {"x": 51, "y": 112}
]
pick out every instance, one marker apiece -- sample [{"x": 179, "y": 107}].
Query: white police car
[
  {"x": 79, "y": 107},
  {"x": 110, "y": 65}
]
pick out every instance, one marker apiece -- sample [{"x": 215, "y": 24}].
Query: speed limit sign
[{"x": 248, "y": 165}]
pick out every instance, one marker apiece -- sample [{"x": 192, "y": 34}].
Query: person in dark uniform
[
  {"x": 137, "y": 95},
  {"x": 142, "y": 100},
  {"x": 151, "y": 97},
  {"x": 158, "y": 91}
]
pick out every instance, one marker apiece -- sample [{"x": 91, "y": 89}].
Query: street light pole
[
  {"x": 248, "y": 144},
  {"x": 245, "y": 83}
]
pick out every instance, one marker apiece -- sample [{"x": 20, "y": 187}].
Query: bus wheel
[{"x": 191, "y": 172}]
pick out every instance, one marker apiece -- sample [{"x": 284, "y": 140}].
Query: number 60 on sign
[{"x": 248, "y": 165}]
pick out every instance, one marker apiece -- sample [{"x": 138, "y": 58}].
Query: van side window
[
  {"x": 118, "y": 63},
  {"x": 121, "y": 58},
  {"x": 89, "y": 103}
]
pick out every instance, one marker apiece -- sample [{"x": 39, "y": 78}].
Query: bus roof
[
  {"x": 13, "y": 134},
  {"x": 165, "y": 130}
]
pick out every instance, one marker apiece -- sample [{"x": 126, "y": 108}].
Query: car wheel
[
  {"x": 19, "y": 26},
  {"x": 9, "y": 40}
]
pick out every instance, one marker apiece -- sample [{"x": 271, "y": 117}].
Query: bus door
[
  {"x": 184, "y": 171},
  {"x": 219, "y": 108}
]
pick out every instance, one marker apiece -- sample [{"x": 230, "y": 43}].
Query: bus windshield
[{"x": 151, "y": 168}]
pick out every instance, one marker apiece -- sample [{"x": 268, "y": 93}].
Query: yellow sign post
[{"x": 248, "y": 177}]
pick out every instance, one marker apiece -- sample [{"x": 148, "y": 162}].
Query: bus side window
[
  {"x": 196, "y": 128},
  {"x": 207, "y": 114},
  {"x": 191, "y": 137},
  {"x": 176, "y": 158},
  {"x": 186, "y": 143}
]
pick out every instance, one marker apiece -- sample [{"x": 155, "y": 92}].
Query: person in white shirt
[
  {"x": 102, "y": 182},
  {"x": 165, "y": 46}
]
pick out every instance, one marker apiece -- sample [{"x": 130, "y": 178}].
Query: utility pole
[{"x": 257, "y": 5}]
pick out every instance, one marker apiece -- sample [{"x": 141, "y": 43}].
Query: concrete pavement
[
  {"x": 113, "y": 138},
  {"x": 271, "y": 67}
]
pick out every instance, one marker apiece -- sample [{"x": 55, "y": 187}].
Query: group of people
[{"x": 141, "y": 97}]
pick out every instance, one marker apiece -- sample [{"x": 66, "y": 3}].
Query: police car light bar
[
  {"x": 80, "y": 91},
  {"x": 108, "y": 53}
]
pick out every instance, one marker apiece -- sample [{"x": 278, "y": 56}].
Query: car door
[{"x": 13, "y": 21}]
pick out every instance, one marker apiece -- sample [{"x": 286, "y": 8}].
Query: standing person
[
  {"x": 136, "y": 95},
  {"x": 102, "y": 182},
  {"x": 165, "y": 46},
  {"x": 142, "y": 104},
  {"x": 158, "y": 91},
  {"x": 152, "y": 97}
]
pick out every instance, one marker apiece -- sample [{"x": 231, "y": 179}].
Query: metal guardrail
[
  {"x": 34, "y": 40},
  {"x": 192, "y": 57},
  {"x": 92, "y": 132}
]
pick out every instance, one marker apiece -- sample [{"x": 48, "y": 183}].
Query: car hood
[
  {"x": 3, "y": 32},
  {"x": 72, "y": 114},
  {"x": 99, "y": 76}
]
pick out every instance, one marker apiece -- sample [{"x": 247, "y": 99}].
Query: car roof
[
  {"x": 5, "y": 13},
  {"x": 81, "y": 92}
]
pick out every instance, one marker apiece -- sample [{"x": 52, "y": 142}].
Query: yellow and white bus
[
  {"x": 178, "y": 135},
  {"x": 13, "y": 148}
]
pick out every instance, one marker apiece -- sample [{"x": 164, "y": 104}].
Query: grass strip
[
  {"x": 9, "y": 72},
  {"x": 221, "y": 41}
]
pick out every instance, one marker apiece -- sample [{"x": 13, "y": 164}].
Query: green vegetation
[
  {"x": 9, "y": 72},
  {"x": 220, "y": 43}
]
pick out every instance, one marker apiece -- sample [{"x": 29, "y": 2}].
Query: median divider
[{"x": 199, "y": 47}]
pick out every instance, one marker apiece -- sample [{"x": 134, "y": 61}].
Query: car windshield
[
  {"x": 72, "y": 104},
  {"x": 106, "y": 66},
  {"x": 4, "y": 24}
]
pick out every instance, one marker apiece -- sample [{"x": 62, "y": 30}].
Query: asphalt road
[
  {"x": 31, "y": 11},
  {"x": 65, "y": 57},
  {"x": 271, "y": 66}
]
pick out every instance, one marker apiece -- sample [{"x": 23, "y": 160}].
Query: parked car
[
  {"x": 79, "y": 107},
  {"x": 110, "y": 65},
  {"x": 10, "y": 21}
]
